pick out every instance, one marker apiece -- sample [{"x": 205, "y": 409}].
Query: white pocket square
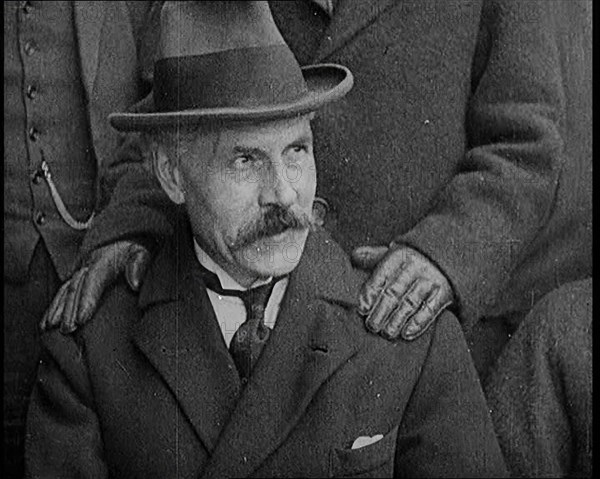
[{"x": 363, "y": 441}]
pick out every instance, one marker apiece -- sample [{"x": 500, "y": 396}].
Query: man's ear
[{"x": 168, "y": 175}]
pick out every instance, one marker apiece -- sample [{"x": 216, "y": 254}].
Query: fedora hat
[{"x": 226, "y": 60}]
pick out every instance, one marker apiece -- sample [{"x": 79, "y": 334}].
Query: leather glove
[
  {"x": 78, "y": 298},
  {"x": 405, "y": 293}
]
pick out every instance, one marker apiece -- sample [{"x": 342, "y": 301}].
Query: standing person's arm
[
  {"x": 135, "y": 213},
  {"x": 121, "y": 241},
  {"x": 121, "y": 154},
  {"x": 503, "y": 190},
  {"x": 129, "y": 158}
]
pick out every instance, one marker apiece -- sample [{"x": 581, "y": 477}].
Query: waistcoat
[{"x": 45, "y": 114}]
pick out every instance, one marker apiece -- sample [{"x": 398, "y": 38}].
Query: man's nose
[{"x": 279, "y": 185}]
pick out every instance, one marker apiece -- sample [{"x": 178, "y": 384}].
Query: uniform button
[
  {"x": 26, "y": 7},
  {"x": 36, "y": 177},
  {"x": 34, "y": 134},
  {"x": 30, "y": 47},
  {"x": 40, "y": 218},
  {"x": 31, "y": 92}
]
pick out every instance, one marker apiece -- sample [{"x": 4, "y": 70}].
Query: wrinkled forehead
[
  {"x": 265, "y": 134},
  {"x": 214, "y": 138}
]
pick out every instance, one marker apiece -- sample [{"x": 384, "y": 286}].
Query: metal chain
[{"x": 62, "y": 209}]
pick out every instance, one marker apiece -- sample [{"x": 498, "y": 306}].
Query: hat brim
[{"x": 325, "y": 83}]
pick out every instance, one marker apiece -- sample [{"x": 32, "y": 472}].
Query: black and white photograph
[{"x": 297, "y": 238}]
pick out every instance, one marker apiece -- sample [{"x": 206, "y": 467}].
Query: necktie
[{"x": 250, "y": 338}]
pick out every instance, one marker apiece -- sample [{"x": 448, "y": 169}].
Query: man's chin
[{"x": 274, "y": 255}]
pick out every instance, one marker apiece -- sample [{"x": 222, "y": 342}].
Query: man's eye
[
  {"x": 243, "y": 161},
  {"x": 300, "y": 149}
]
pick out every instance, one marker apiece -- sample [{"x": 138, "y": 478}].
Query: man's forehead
[
  {"x": 260, "y": 138},
  {"x": 276, "y": 128},
  {"x": 231, "y": 136}
]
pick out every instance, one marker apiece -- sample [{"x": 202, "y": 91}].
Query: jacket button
[
  {"x": 31, "y": 92},
  {"x": 34, "y": 134},
  {"x": 36, "y": 177},
  {"x": 26, "y": 7},
  {"x": 30, "y": 48},
  {"x": 40, "y": 218}
]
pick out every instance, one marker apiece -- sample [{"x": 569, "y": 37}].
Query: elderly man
[{"x": 243, "y": 354}]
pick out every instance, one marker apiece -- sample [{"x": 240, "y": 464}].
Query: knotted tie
[{"x": 250, "y": 338}]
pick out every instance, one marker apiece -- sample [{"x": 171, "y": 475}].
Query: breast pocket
[{"x": 374, "y": 460}]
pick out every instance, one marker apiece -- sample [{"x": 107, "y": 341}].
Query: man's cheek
[
  {"x": 306, "y": 194},
  {"x": 230, "y": 222}
]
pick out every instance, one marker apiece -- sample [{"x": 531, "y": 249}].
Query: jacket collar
[
  {"x": 179, "y": 334},
  {"x": 316, "y": 334}
]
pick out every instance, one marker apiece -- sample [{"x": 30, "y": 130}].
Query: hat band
[{"x": 237, "y": 78}]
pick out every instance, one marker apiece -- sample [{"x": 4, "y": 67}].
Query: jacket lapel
[
  {"x": 180, "y": 336},
  {"x": 311, "y": 340},
  {"x": 89, "y": 19},
  {"x": 349, "y": 17}
]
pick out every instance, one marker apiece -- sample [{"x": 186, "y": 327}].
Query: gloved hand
[
  {"x": 77, "y": 299},
  {"x": 405, "y": 293}
]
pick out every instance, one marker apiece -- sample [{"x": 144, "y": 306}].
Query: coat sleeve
[
  {"x": 122, "y": 68},
  {"x": 446, "y": 429},
  {"x": 132, "y": 204},
  {"x": 505, "y": 184},
  {"x": 63, "y": 437}
]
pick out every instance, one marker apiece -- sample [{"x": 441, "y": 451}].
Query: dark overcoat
[
  {"x": 540, "y": 391},
  {"x": 451, "y": 140},
  {"x": 148, "y": 388}
]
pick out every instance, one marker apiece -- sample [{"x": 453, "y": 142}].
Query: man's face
[{"x": 249, "y": 198}]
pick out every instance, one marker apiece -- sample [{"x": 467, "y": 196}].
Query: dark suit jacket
[
  {"x": 148, "y": 388},
  {"x": 450, "y": 141}
]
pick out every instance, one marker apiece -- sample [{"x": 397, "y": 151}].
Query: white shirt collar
[
  {"x": 229, "y": 310},
  {"x": 227, "y": 282}
]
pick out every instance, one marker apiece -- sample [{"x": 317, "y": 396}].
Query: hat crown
[
  {"x": 205, "y": 27},
  {"x": 221, "y": 54},
  {"x": 226, "y": 60}
]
